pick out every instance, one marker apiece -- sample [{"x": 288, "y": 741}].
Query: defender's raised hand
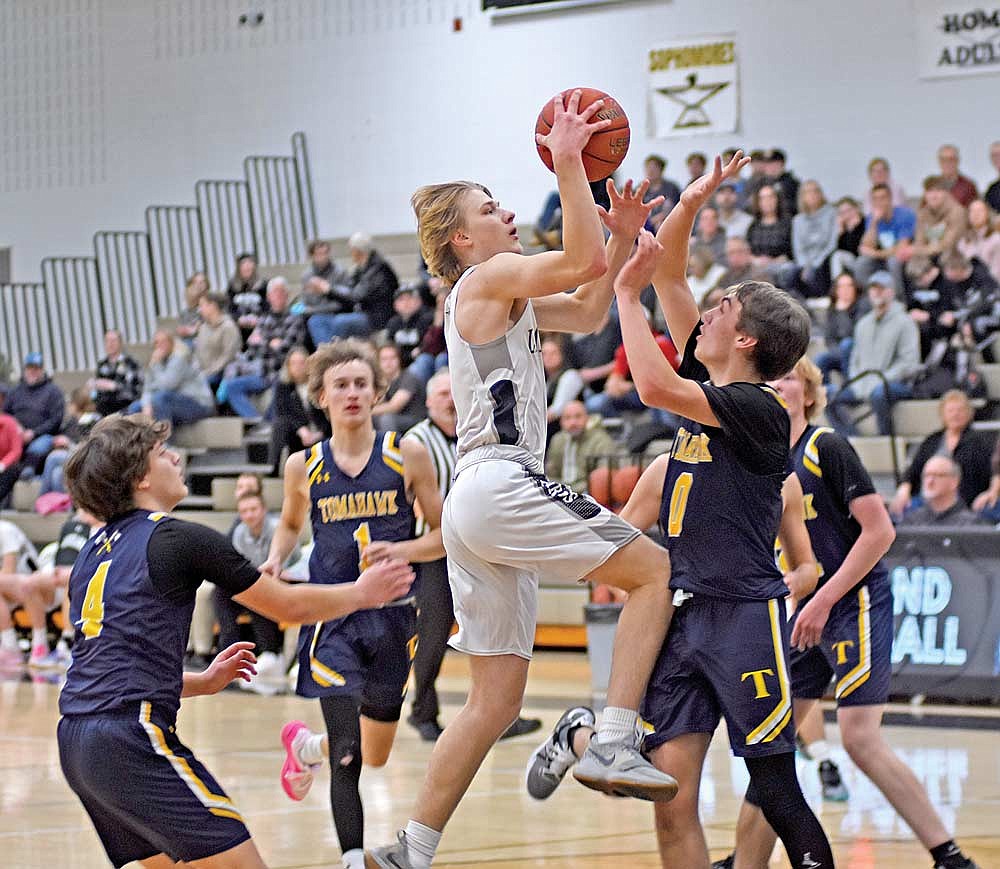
[
  {"x": 628, "y": 212},
  {"x": 698, "y": 192},
  {"x": 637, "y": 273}
]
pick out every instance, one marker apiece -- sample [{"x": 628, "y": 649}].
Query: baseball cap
[
  {"x": 34, "y": 358},
  {"x": 406, "y": 289},
  {"x": 882, "y": 279}
]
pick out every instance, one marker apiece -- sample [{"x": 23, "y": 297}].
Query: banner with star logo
[{"x": 694, "y": 87}]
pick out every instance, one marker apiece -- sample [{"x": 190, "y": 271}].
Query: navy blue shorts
[
  {"x": 724, "y": 659},
  {"x": 855, "y": 648},
  {"x": 145, "y": 792},
  {"x": 366, "y": 655}
]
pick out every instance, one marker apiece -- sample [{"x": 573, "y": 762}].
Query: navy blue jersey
[
  {"x": 721, "y": 503},
  {"x": 131, "y": 596},
  {"x": 348, "y": 512},
  {"x": 832, "y": 476}
]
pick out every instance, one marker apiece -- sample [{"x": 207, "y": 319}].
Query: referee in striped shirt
[{"x": 436, "y": 610}]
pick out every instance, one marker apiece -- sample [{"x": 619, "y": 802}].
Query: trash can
[{"x": 602, "y": 621}]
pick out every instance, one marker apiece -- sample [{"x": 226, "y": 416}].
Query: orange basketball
[{"x": 605, "y": 150}]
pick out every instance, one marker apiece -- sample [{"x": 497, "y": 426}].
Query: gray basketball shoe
[
  {"x": 619, "y": 769},
  {"x": 553, "y": 758},
  {"x": 390, "y": 856}
]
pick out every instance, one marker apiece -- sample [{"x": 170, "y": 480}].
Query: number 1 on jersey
[
  {"x": 363, "y": 537},
  {"x": 92, "y": 611},
  {"x": 678, "y": 503}
]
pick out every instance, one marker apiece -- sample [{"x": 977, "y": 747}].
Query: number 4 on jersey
[{"x": 92, "y": 612}]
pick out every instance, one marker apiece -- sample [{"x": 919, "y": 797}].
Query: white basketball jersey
[{"x": 499, "y": 391}]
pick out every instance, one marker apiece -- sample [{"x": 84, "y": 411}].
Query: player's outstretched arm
[
  {"x": 796, "y": 547},
  {"x": 513, "y": 276},
  {"x": 421, "y": 484},
  {"x": 655, "y": 380},
  {"x": 670, "y": 276},
  {"x": 235, "y": 662},
  {"x": 294, "y": 510},
  {"x": 643, "y": 507},
  {"x": 583, "y": 310},
  {"x": 307, "y": 603},
  {"x": 877, "y": 534}
]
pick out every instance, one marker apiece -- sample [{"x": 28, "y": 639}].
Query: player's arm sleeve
[
  {"x": 843, "y": 472},
  {"x": 691, "y": 368},
  {"x": 755, "y": 424},
  {"x": 182, "y": 555}
]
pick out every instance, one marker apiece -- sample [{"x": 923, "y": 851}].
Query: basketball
[{"x": 605, "y": 150}]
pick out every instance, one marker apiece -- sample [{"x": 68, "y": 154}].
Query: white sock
[
  {"x": 617, "y": 725},
  {"x": 39, "y": 637},
  {"x": 309, "y": 748},
  {"x": 820, "y": 750},
  {"x": 8, "y": 638},
  {"x": 422, "y": 843},
  {"x": 354, "y": 859}
]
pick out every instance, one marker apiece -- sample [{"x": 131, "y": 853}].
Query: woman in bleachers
[
  {"x": 562, "y": 383},
  {"x": 174, "y": 388},
  {"x": 190, "y": 318},
  {"x": 982, "y": 239},
  {"x": 703, "y": 271},
  {"x": 770, "y": 234},
  {"x": 847, "y": 304},
  {"x": 247, "y": 294},
  {"x": 814, "y": 239},
  {"x": 297, "y": 424},
  {"x": 969, "y": 448}
]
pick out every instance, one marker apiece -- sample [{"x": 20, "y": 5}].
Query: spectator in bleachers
[
  {"x": 886, "y": 340},
  {"x": 940, "y": 483},
  {"x": 118, "y": 381},
  {"x": 433, "y": 351},
  {"x": 402, "y": 406},
  {"x": 847, "y": 306},
  {"x": 784, "y": 182},
  {"x": 247, "y": 294},
  {"x": 982, "y": 239},
  {"x": 850, "y": 229},
  {"x": 971, "y": 450},
  {"x": 563, "y": 383},
  {"x": 190, "y": 318},
  {"x": 296, "y": 423},
  {"x": 741, "y": 263},
  {"x": 878, "y": 174},
  {"x": 758, "y": 178},
  {"x": 709, "y": 233},
  {"x": 18, "y": 557},
  {"x": 252, "y": 539},
  {"x": 887, "y": 239},
  {"x": 326, "y": 300},
  {"x": 593, "y": 355},
  {"x": 713, "y": 297},
  {"x": 732, "y": 219},
  {"x": 218, "y": 341},
  {"x": 696, "y": 162},
  {"x": 814, "y": 239},
  {"x": 174, "y": 387},
  {"x": 579, "y": 441},
  {"x": 11, "y": 448},
  {"x": 653, "y": 168},
  {"x": 38, "y": 406},
  {"x": 770, "y": 234},
  {"x": 703, "y": 272},
  {"x": 992, "y": 195},
  {"x": 80, "y": 418},
  {"x": 941, "y": 221},
  {"x": 278, "y": 331},
  {"x": 988, "y": 503},
  {"x": 406, "y": 327},
  {"x": 373, "y": 281},
  {"x": 962, "y": 189}
]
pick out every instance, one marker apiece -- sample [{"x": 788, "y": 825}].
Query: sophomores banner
[
  {"x": 693, "y": 86},
  {"x": 956, "y": 38}
]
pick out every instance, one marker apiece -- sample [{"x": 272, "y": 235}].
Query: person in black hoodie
[
  {"x": 373, "y": 281},
  {"x": 38, "y": 406},
  {"x": 297, "y": 423}
]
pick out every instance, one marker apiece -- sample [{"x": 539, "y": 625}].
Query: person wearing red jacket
[{"x": 11, "y": 447}]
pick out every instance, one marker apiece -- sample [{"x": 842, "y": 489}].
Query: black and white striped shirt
[{"x": 443, "y": 451}]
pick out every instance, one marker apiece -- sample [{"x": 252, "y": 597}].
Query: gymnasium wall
[{"x": 110, "y": 105}]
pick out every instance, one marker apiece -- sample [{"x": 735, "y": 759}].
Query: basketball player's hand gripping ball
[{"x": 584, "y": 120}]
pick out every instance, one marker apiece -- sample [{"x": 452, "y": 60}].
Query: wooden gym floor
[{"x": 497, "y": 826}]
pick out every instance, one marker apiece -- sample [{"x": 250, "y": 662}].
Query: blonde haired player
[{"x": 504, "y": 523}]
